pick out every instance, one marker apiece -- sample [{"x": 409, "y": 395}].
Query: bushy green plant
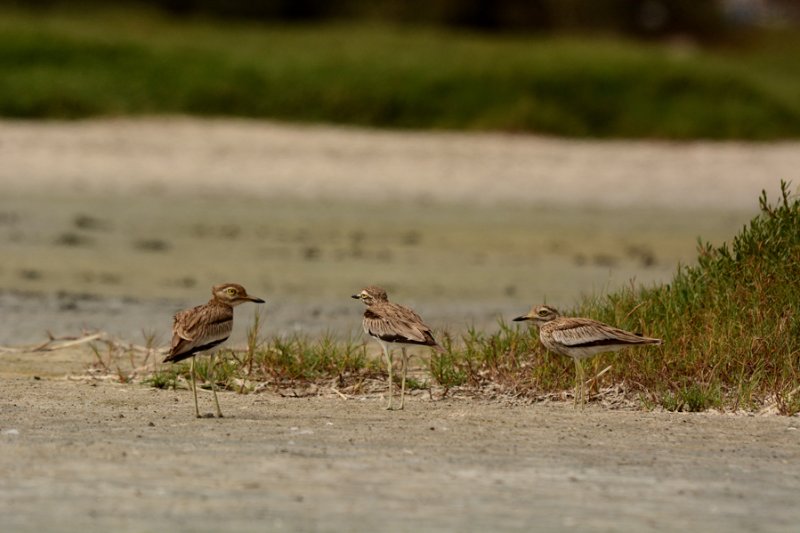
[{"x": 731, "y": 322}]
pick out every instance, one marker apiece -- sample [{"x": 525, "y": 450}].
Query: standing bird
[
  {"x": 390, "y": 323},
  {"x": 579, "y": 338},
  {"x": 203, "y": 327}
]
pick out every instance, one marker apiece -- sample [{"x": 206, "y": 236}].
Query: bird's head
[
  {"x": 539, "y": 314},
  {"x": 370, "y": 295},
  {"x": 233, "y": 294}
]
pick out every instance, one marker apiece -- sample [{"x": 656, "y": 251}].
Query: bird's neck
[{"x": 219, "y": 303}]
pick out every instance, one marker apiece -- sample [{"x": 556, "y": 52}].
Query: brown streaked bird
[
  {"x": 390, "y": 323},
  {"x": 203, "y": 327},
  {"x": 580, "y": 338}
]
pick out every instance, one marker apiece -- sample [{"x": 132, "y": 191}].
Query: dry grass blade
[{"x": 56, "y": 343}]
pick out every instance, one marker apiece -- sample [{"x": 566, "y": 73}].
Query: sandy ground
[
  {"x": 115, "y": 225},
  {"x": 185, "y": 156},
  {"x": 106, "y": 457}
]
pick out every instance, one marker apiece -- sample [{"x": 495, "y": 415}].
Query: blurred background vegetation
[
  {"x": 678, "y": 69},
  {"x": 707, "y": 20}
]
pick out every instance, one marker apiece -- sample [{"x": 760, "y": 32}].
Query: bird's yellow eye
[
  {"x": 231, "y": 291},
  {"x": 542, "y": 312}
]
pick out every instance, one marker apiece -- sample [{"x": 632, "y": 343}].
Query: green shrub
[{"x": 730, "y": 323}]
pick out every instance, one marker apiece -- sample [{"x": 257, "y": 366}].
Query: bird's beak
[
  {"x": 356, "y": 297},
  {"x": 522, "y": 318},
  {"x": 254, "y": 299}
]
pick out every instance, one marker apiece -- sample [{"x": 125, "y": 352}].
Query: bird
[
  {"x": 580, "y": 338},
  {"x": 203, "y": 327},
  {"x": 390, "y": 323}
]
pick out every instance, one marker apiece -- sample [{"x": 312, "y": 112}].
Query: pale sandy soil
[
  {"x": 188, "y": 156},
  {"x": 108, "y": 457},
  {"x": 115, "y": 225}
]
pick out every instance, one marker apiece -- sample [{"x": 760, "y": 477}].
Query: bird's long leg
[
  {"x": 388, "y": 354},
  {"x": 579, "y": 383},
  {"x": 212, "y": 375},
  {"x": 194, "y": 388},
  {"x": 403, "y": 386},
  {"x": 575, "y": 384}
]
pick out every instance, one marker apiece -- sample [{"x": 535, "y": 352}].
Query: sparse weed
[
  {"x": 163, "y": 379},
  {"x": 417, "y": 384},
  {"x": 788, "y": 402},
  {"x": 671, "y": 402},
  {"x": 300, "y": 358},
  {"x": 692, "y": 398},
  {"x": 445, "y": 368}
]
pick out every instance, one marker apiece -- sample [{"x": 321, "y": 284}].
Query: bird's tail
[
  {"x": 648, "y": 340},
  {"x": 176, "y": 357}
]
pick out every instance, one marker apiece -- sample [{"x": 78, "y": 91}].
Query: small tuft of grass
[
  {"x": 445, "y": 366},
  {"x": 788, "y": 403},
  {"x": 299, "y": 358},
  {"x": 692, "y": 398},
  {"x": 416, "y": 384},
  {"x": 165, "y": 378}
]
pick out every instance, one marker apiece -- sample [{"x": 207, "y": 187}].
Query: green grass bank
[{"x": 72, "y": 64}]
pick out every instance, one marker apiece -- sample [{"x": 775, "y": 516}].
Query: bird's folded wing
[
  {"x": 592, "y": 333},
  {"x": 179, "y": 331},
  {"x": 395, "y": 329},
  {"x": 201, "y": 326}
]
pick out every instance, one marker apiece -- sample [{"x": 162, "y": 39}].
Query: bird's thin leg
[
  {"x": 403, "y": 386},
  {"x": 388, "y": 354},
  {"x": 583, "y": 386},
  {"x": 576, "y": 393},
  {"x": 194, "y": 388},
  {"x": 212, "y": 374},
  {"x": 591, "y": 382},
  {"x": 579, "y": 390}
]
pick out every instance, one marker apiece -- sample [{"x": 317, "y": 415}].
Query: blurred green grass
[{"x": 80, "y": 64}]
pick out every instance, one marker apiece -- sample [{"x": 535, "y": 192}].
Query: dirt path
[{"x": 102, "y": 457}]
